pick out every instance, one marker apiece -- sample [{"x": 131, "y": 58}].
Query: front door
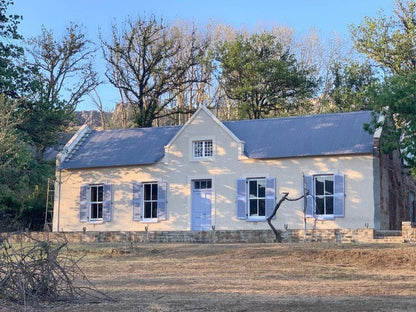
[{"x": 201, "y": 205}]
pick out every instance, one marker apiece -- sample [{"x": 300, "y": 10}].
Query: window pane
[
  {"x": 197, "y": 185},
  {"x": 198, "y": 149},
  {"x": 203, "y": 184},
  {"x": 100, "y": 191},
  {"x": 154, "y": 210},
  {"x": 147, "y": 192},
  {"x": 319, "y": 185},
  {"x": 262, "y": 188},
  {"x": 93, "y": 194},
  {"x": 319, "y": 205},
  {"x": 329, "y": 201},
  {"x": 208, "y": 148},
  {"x": 154, "y": 191},
  {"x": 262, "y": 207},
  {"x": 100, "y": 211},
  {"x": 253, "y": 188},
  {"x": 94, "y": 211},
  {"x": 209, "y": 184},
  {"x": 329, "y": 186},
  {"x": 253, "y": 207},
  {"x": 147, "y": 210}
]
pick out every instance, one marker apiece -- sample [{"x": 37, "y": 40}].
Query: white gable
[{"x": 203, "y": 110}]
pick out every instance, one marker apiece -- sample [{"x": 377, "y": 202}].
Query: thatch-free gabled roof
[{"x": 315, "y": 135}]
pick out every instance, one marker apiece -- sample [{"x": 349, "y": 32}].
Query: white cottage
[{"x": 210, "y": 174}]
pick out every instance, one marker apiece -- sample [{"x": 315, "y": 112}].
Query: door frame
[{"x": 211, "y": 190}]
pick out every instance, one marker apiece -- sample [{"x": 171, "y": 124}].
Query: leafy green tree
[
  {"x": 14, "y": 80},
  {"x": 390, "y": 43},
  {"x": 350, "y": 82},
  {"x": 395, "y": 99},
  {"x": 33, "y": 111},
  {"x": 262, "y": 75}
]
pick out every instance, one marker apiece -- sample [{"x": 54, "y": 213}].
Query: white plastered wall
[{"x": 178, "y": 169}]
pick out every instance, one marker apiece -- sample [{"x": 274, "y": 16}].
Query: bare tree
[
  {"x": 276, "y": 232},
  {"x": 143, "y": 63},
  {"x": 99, "y": 104},
  {"x": 65, "y": 65}
]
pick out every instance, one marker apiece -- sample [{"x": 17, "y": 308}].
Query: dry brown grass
[{"x": 257, "y": 277}]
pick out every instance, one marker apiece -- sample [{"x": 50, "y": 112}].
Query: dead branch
[
  {"x": 42, "y": 273},
  {"x": 277, "y": 233}
]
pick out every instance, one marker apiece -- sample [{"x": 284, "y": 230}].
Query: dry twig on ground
[{"x": 42, "y": 273}]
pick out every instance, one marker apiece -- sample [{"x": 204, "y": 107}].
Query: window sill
[
  {"x": 325, "y": 217},
  {"x": 256, "y": 219},
  {"x": 195, "y": 159},
  {"x": 95, "y": 222},
  {"x": 155, "y": 220}
]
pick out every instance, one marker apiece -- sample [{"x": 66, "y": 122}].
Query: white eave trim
[
  {"x": 69, "y": 147},
  {"x": 377, "y": 132}
]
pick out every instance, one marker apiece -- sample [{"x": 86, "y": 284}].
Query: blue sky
[{"x": 326, "y": 16}]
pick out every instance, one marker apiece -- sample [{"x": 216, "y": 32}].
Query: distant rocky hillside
[{"x": 91, "y": 118}]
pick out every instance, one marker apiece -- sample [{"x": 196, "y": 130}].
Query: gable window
[
  {"x": 149, "y": 201},
  {"x": 255, "y": 198},
  {"x": 95, "y": 203},
  {"x": 202, "y": 149},
  {"x": 326, "y": 199}
]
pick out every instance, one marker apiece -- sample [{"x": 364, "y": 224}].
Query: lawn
[{"x": 250, "y": 277}]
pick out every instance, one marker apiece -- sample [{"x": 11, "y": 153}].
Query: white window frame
[
  {"x": 207, "y": 149},
  {"x": 324, "y": 196},
  {"x": 255, "y": 217},
  {"x": 97, "y": 202},
  {"x": 151, "y": 201}
]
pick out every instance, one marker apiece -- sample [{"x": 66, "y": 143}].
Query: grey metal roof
[
  {"x": 327, "y": 134},
  {"x": 122, "y": 147},
  {"x": 330, "y": 134}
]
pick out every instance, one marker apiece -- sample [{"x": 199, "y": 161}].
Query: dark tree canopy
[
  {"x": 389, "y": 42},
  {"x": 36, "y": 105},
  {"x": 349, "y": 86},
  {"x": 262, "y": 75}
]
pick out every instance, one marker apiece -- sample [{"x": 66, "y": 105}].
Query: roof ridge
[
  {"x": 140, "y": 128},
  {"x": 297, "y": 116}
]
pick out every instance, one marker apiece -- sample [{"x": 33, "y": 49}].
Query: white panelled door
[{"x": 201, "y": 205}]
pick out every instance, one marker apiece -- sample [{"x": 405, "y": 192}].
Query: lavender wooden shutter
[
  {"x": 83, "y": 203},
  {"x": 137, "y": 201},
  {"x": 270, "y": 196},
  {"x": 241, "y": 199},
  {"x": 339, "y": 195},
  {"x": 310, "y": 199},
  {"x": 107, "y": 202},
  {"x": 161, "y": 200}
]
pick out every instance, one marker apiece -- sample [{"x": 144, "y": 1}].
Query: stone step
[
  {"x": 391, "y": 240},
  {"x": 387, "y": 233}
]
